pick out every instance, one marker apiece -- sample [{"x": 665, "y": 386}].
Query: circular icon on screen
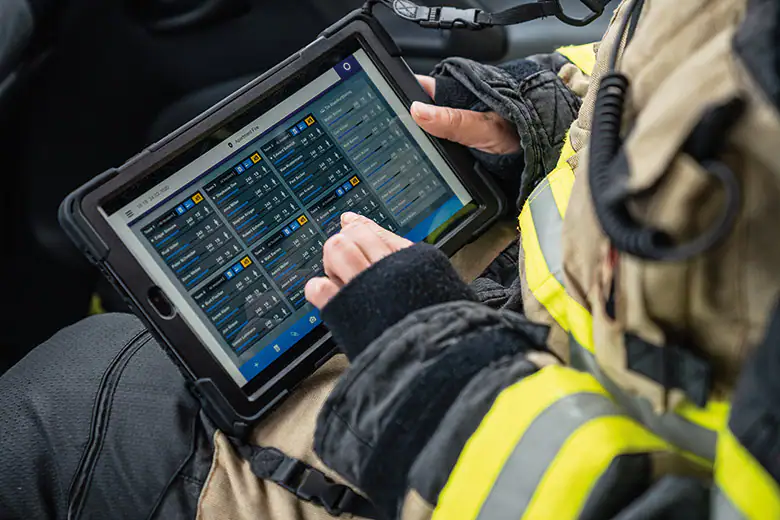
[
  {"x": 230, "y": 145},
  {"x": 347, "y": 67}
]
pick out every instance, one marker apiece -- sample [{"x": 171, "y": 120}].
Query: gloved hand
[
  {"x": 484, "y": 131},
  {"x": 513, "y": 117}
]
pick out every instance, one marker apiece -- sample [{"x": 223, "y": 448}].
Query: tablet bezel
[{"x": 127, "y": 274}]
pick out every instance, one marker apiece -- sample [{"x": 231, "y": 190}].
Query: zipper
[{"x": 100, "y": 417}]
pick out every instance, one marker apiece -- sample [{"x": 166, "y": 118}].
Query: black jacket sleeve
[
  {"x": 755, "y": 407},
  {"x": 437, "y": 370}
]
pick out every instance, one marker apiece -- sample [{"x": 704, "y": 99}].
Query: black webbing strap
[
  {"x": 455, "y": 18},
  {"x": 304, "y": 481},
  {"x": 520, "y": 13},
  {"x": 671, "y": 366}
]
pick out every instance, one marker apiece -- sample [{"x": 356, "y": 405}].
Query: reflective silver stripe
[
  {"x": 515, "y": 486},
  {"x": 675, "y": 429},
  {"x": 549, "y": 227},
  {"x": 721, "y": 507}
]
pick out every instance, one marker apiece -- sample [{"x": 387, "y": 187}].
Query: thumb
[
  {"x": 485, "y": 131},
  {"x": 427, "y": 83}
]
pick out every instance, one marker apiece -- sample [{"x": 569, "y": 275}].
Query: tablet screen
[{"x": 233, "y": 236}]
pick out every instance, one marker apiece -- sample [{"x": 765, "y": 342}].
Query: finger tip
[
  {"x": 348, "y": 217},
  {"x": 319, "y": 291},
  {"x": 422, "y": 111},
  {"x": 313, "y": 289}
]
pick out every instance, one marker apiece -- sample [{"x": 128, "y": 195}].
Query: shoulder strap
[
  {"x": 304, "y": 481},
  {"x": 455, "y": 18}
]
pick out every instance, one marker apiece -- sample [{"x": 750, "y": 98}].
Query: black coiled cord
[
  {"x": 608, "y": 178},
  {"x": 608, "y": 175}
]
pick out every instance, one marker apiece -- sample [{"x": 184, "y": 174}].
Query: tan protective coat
[{"x": 679, "y": 66}]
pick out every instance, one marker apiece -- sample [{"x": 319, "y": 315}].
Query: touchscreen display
[{"x": 233, "y": 237}]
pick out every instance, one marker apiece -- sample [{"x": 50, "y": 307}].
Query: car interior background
[{"x": 86, "y": 84}]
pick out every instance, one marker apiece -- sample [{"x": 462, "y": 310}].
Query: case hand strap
[
  {"x": 454, "y": 18},
  {"x": 304, "y": 481}
]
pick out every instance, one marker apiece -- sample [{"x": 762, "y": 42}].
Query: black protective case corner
[
  {"x": 219, "y": 409},
  {"x": 222, "y": 413},
  {"x": 81, "y": 221},
  {"x": 76, "y": 226},
  {"x": 379, "y": 30}
]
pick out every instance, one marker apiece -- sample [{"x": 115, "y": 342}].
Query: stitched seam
[
  {"x": 107, "y": 412},
  {"x": 571, "y": 99},
  {"x": 532, "y": 107},
  {"x": 95, "y": 403},
  {"x": 545, "y": 184},
  {"x": 77, "y": 486},
  {"x": 210, "y": 478},
  {"x": 364, "y": 442},
  {"x": 177, "y": 473},
  {"x": 560, "y": 91},
  {"x": 191, "y": 479}
]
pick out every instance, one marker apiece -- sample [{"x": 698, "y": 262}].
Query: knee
[{"x": 72, "y": 361}]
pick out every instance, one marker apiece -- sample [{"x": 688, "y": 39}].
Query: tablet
[{"x": 213, "y": 233}]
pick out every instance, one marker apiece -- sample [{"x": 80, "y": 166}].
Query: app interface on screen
[{"x": 239, "y": 241}]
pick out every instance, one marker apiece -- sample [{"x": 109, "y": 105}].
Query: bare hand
[
  {"x": 486, "y": 131},
  {"x": 360, "y": 244}
]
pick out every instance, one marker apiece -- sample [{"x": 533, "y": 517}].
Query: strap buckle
[
  {"x": 452, "y": 18},
  {"x": 596, "y": 8},
  {"x": 437, "y": 17},
  {"x": 313, "y": 486}
]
